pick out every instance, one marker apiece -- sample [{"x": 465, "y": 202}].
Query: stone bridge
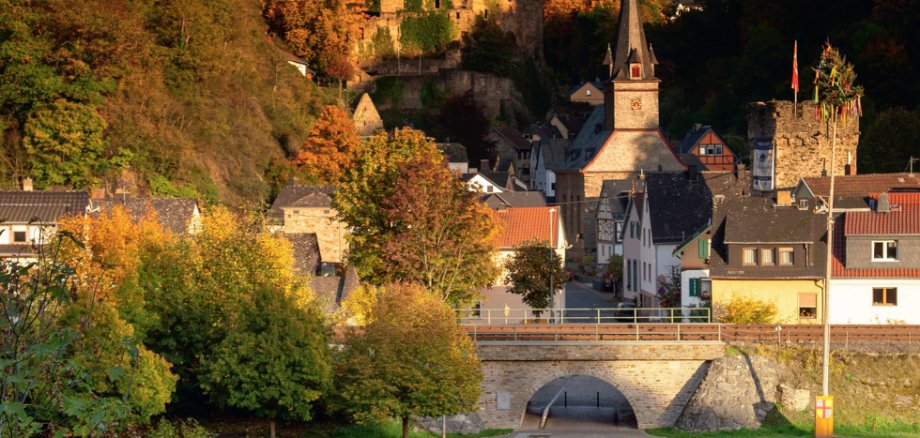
[{"x": 657, "y": 378}]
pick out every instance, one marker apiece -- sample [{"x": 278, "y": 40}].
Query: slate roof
[
  {"x": 573, "y": 123},
  {"x": 521, "y": 225},
  {"x": 306, "y": 252},
  {"x": 862, "y": 185},
  {"x": 512, "y": 136},
  {"x": 454, "y": 152},
  {"x": 631, "y": 42},
  {"x": 174, "y": 214},
  {"x": 513, "y": 199},
  {"x": 692, "y": 138},
  {"x": 679, "y": 206},
  {"x": 587, "y": 143},
  {"x": 616, "y": 194},
  {"x": 41, "y": 206},
  {"x": 332, "y": 290},
  {"x": 552, "y": 151},
  {"x": 299, "y": 195},
  {"x": 756, "y": 220}
]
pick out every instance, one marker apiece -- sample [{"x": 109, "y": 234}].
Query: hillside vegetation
[{"x": 180, "y": 97}]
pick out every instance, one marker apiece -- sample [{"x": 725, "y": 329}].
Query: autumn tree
[
  {"x": 318, "y": 30},
  {"x": 411, "y": 359},
  {"x": 412, "y": 220},
  {"x": 330, "y": 150},
  {"x": 531, "y": 270},
  {"x": 441, "y": 235}
]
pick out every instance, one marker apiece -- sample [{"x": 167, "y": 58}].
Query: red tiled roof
[
  {"x": 855, "y": 185},
  {"x": 521, "y": 225},
  {"x": 839, "y": 269},
  {"x": 902, "y": 220}
]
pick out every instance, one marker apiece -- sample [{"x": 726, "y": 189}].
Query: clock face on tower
[{"x": 635, "y": 104}]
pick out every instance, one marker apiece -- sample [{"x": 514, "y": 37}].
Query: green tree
[
  {"x": 66, "y": 145},
  {"x": 441, "y": 235},
  {"x": 428, "y": 32},
  {"x": 275, "y": 361},
  {"x": 531, "y": 270},
  {"x": 412, "y": 358},
  {"x": 487, "y": 48}
]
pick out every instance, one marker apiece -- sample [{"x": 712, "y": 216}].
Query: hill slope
[{"x": 193, "y": 97}]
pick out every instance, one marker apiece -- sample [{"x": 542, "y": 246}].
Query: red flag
[{"x": 795, "y": 66}]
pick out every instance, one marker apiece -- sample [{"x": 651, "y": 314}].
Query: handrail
[{"x": 575, "y": 315}]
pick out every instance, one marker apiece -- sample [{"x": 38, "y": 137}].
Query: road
[{"x": 582, "y": 296}]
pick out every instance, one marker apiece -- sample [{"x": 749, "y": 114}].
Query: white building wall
[
  {"x": 851, "y": 302},
  {"x": 648, "y": 276},
  {"x": 685, "y": 299},
  {"x": 631, "y": 251},
  {"x": 665, "y": 260}
]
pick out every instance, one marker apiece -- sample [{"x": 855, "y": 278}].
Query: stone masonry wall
[
  {"x": 658, "y": 380},
  {"x": 802, "y": 141},
  {"x": 330, "y": 232}
]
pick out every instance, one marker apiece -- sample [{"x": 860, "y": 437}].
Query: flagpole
[{"x": 795, "y": 78}]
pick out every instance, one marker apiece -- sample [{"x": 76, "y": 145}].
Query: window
[
  {"x": 619, "y": 236},
  {"x": 19, "y": 236},
  {"x": 803, "y": 204},
  {"x": 885, "y": 251},
  {"x": 476, "y": 311},
  {"x": 635, "y": 71},
  {"x": 703, "y": 249},
  {"x": 695, "y": 287},
  {"x": 884, "y": 296},
  {"x": 786, "y": 256},
  {"x": 489, "y": 189},
  {"x": 767, "y": 257},
  {"x": 808, "y": 305},
  {"x": 750, "y": 256},
  {"x": 587, "y": 92}
]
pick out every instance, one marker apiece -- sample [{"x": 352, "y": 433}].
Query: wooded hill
[{"x": 181, "y": 97}]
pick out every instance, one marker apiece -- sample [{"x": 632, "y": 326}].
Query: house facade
[
  {"x": 545, "y": 155},
  {"x": 519, "y": 226},
  {"x": 29, "y": 218},
  {"x": 590, "y": 92},
  {"x": 695, "y": 282},
  {"x": 611, "y": 217},
  {"x": 771, "y": 252},
  {"x": 705, "y": 149},
  {"x": 876, "y": 266},
  {"x": 303, "y": 209}
]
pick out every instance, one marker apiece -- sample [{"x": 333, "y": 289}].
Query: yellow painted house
[{"x": 769, "y": 252}]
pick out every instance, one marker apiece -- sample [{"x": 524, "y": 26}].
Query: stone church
[{"x": 621, "y": 138}]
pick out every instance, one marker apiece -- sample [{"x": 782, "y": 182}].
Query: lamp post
[{"x": 552, "y": 294}]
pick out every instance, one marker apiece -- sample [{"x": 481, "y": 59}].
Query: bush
[
  {"x": 745, "y": 310},
  {"x": 188, "y": 428},
  {"x": 428, "y": 33}
]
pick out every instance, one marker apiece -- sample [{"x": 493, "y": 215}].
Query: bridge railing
[
  {"x": 597, "y": 332},
  {"x": 606, "y": 315}
]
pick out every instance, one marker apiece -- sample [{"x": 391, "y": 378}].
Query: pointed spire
[
  {"x": 631, "y": 43},
  {"x": 608, "y": 60}
]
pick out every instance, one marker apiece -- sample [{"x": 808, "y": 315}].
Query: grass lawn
[
  {"x": 394, "y": 430},
  {"x": 777, "y": 431}
]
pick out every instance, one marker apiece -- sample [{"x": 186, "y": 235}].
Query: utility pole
[{"x": 552, "y": 261}]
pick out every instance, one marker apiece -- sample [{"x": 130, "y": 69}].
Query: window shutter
[
  {"x": 694, "y": 287},
  {"x": 704, "y": 248}
]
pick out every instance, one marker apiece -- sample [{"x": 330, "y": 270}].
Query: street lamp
[{"x": 552, "y": 295}]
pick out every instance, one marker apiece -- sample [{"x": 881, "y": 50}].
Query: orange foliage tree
[
  {"x": 315, "y": 29},
  {"x": 331, "y": 147}
]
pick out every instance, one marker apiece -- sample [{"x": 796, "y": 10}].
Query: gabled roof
[
  {"x": 692, "y": 138},
  {"x": 861, "y": 185},
  {"x": 502, "y": 200},
  {"x": 755, "y": 220},
  {"x": 552, "y": 151},
  {"x": 678, "y": 205},
  {"x": 299, "y": 195},
  {"x": 573, "y": 123},
  {"x": 636, "y": 202},
  {"x": 590, "y": 139},
  {"x": 174, "y": 214},
  {"x": 366, "y": 118},
  {"x": 575, "y": 88},
  {"x": 45, "y": 207},
  {"x": 520, "y": 225},
  {"x": 512, "y": 136},
  {"x": 331, "y": 290}
]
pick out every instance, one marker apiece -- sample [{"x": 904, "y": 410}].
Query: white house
[
  {"x": 671, "y": 211},
  {"x": 546, "y": 154},
  {"x": 876, "y": 266},
  {"x": 30, "y": 218},
  {"x": 478, "y": 182}
]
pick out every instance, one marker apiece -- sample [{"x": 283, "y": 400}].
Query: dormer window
[{"x": 635, "y": 70}]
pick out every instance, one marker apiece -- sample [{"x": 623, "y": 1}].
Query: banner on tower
[{"x": 763, "y": 165}]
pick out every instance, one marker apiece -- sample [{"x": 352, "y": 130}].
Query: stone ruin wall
[{"x": 802, "y": 141}]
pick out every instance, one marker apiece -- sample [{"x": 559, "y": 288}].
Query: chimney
[
  {"x": 27, "y": 184},
  {"x": 484, "y": 164},
  {"x": 883, "y": 205},
  {"x": 784, "y": 198},
  {"x": 97, "y": 193},
  {"x": 849, "y": 169},
  {"x": 692, "y": 172}
]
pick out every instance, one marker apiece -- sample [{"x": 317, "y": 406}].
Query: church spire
[
  {"x": 634, "y": 57},
  {"x": 608, "y": 60}
]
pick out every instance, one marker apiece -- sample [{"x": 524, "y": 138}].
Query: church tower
[{"x": 631, "y": 100}]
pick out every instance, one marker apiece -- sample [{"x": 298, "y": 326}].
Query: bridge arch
[
  {"x": 657, "y": 379},
  {"x": 630, "y": 392}
]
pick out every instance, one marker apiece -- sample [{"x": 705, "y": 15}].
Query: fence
[
  {"x": 698, "y": 332},
  {"x": 607, "y": 315}
]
